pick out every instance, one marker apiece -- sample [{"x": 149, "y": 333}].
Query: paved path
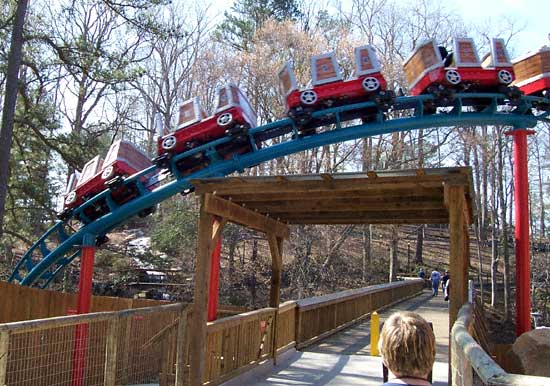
[{"x": 344, "y": 358}]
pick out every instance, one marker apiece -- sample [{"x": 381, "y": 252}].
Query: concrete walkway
[{"x": 344, "y": 359}]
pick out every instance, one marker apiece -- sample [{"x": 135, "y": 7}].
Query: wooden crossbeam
[
  {"x": 230, "y": 211},
  {"x": 382, "y": 221},
  {"x": 403, "y": 194},
  {"x": 344, "y": 205},
  {"x": 430, "y": 217}
]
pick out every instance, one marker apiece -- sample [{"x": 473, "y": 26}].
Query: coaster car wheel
[
  {"x": 370, "y": 84},
  {"x": 107, "y": 172},
  {"x": 225, "y": 119},
  {"x": 163, "y": 161},
  {"x": 169, "y": 142},
  {"x": 70, "y": 198},
  {"x": 300, "y": 116},
  {"x": 191, "y": 144},
  {"x": 505, "y": 77},
  {"x": 453, "y": 77},
  {"x": 308, "y": 97},
  {"x": 237, "y": 130},
  {"x": 514, "y": 93},
  {"x": 115, "y": 183},
  {"x": 384, "y": 99},
  {"x": 65, "y": 215}
]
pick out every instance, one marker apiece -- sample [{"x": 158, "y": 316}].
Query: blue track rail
[{"x": 61, "y": 244}]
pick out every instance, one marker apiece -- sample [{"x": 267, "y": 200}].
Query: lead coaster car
[{"x": 533, "y": 76}]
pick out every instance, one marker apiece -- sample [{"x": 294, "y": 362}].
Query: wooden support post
[
  {"x": 4, "y": 347},
  {"x": 181, "y": 346},
  {"x": 275, "y": 246},
  {"x": 459, "y": 257},
  {"x": 459, "y": 253},
  {"x": 109, "y": 378},
  {"x": 276, "y": 265},
  {"x": 197, "y": 346},
  {"x": 213, "y": 288}
]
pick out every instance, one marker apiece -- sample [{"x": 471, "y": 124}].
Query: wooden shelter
[{"x": 270, "y": 204}]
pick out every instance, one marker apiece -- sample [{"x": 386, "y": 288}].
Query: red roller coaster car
[
  {"x": 123, "y": 159},
  {"x": 328, "y": 87},
  {"x": 430, "y": 69},
  {"x": 233, "y": 117},
  {"x": 533, "y": 75}
]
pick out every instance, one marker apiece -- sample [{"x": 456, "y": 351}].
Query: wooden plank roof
[{"x": 385, "y": 197}]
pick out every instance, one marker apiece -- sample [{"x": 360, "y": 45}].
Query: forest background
[{"x": 96, "y": 71}]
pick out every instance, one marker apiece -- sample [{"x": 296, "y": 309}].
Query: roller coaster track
[{"x": 61, "y": 244}]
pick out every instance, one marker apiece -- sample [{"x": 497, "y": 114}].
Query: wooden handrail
[
  {"x": 485, "y": 367},
  {"x": 325, "y": 300},
  {"x": 238, "y": 319},
  {"x": 291, "y": 304}
]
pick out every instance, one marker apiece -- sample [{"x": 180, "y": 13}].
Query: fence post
[
  {"x": 298, "y": 326},
  {"x": 181, "y": 348},
  {"x": 471, "y": 290},
  {"x": 275, "y": 336},
  {"x": 111, "y": 352},
  {"x": 4, "y": 346}
]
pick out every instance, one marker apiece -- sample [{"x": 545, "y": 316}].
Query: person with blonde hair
[{"x": 407, "y": 347}]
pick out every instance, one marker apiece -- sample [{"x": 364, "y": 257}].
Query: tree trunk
[
  {"x": 484, "y": 182},
  {"x": 394, "y": 264},
  {"x": 367, "y": 234},
  {"x": 10, "y": 99},
  {"x": 419, "y": 245},
  {"x": 494, "y": 219},
  {"x": 542, "y": 212},
  {"x": 480, "y": 263},
  {"x": 254, "y": 258}
]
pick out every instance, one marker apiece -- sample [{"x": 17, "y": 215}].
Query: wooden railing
[
  {"x": 320, "y": 316},
  {"x": 470, "y": 363},
  {"x": 150, "y": 344},
  {"x": 105, "y": 348},
  {"x": 286, "y": 327},
  {"x": 238, "y": 343}
]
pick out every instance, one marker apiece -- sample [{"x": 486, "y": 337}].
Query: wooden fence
[
  {"x": 149, "y": 344},
  {"x": 24, "y": 303},
  {"x": 106, "y": 348},
  {"x": 470, "y": 363},
  {"x": 18, "y": 303}
]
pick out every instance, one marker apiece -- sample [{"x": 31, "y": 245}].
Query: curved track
[{"x": 60, "y": 245}]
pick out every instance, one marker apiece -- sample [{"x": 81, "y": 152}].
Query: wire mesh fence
[{"x": 110, "y": 348}]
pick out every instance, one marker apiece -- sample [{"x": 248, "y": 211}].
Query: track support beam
[
  {"x": 83, "y": 306},
  {"x": 521, "y": 211}
]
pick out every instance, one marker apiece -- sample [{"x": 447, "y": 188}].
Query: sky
[{"x": 532, "y": 15}]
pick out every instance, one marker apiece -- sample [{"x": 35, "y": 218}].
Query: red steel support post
[
  {"x": 83, "y": 307},
  {"x": 214, "y": 285},
  {"x": 521, "y": 211}
]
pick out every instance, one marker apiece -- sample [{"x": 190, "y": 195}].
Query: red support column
[
  {"x": 521, "y": 211},
  {"x": 214, "y": 285},
  {"x": 84, "y": 302}
]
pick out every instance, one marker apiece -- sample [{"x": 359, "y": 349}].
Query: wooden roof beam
[
  {"x": 387, "y": 183},
  {"x": 316, "y": 206},
  {"x": 230, "y": 211},
  {"x": 405, "y": 194}
]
